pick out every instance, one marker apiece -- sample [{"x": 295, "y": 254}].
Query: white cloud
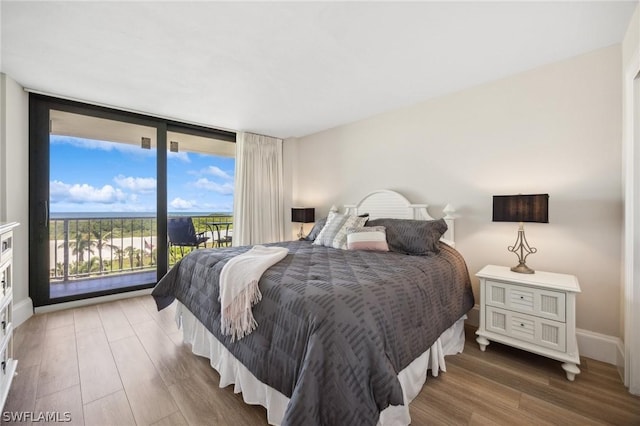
[
  {"x": 217, "y": 171},
  {"x": 84, "y": 193},
  {"x": 225, "y": 188},
  {"x": 182, "y": 156},
  {"x": 58, "y": 190},
  {"x": 180, "y": 204},
  {"x": 211, "y": 170},
  {"x": 136, "y": 184}
]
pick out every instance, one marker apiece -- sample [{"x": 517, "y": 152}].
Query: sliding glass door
[
  {"x": 102, "y": 204},
  {"x": 200, "y": 184},
  {"x": 99, "y": 196}
]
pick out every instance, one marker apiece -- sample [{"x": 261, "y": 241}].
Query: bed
[{"x": 343, "y": 336}]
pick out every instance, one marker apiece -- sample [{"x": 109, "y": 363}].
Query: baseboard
[
  {"x": 600, "y": 347},
  {"x": 620, "y": 358},
  {"x": 22, "y": 311},
  {"x": 91, "y": 301}
]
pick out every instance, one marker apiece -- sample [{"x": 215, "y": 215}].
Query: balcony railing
[{"x": 99, "y": 246}]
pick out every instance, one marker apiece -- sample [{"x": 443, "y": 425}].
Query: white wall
[
  {"x": 555, "y": 129},
  {"x": 14, "y": 176}
]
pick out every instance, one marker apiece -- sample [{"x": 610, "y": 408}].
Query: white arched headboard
[{"x": 386, "y": 203}]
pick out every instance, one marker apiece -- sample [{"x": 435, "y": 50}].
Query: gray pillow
[
  {"x": 317, "y": 227},
  {"x": 416, "y": 237}
]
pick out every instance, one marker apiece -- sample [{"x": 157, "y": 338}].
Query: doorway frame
[{"x": 631, "y": 137}]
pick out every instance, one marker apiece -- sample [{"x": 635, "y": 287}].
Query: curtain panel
[{"x": 258, "y": 211}]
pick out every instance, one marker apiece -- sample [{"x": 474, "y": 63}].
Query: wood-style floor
[{"x": 123, "y": 363}]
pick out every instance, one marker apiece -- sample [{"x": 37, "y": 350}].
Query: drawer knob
[
  {"x": 4, "y": 366},
  {"x": 521, "y": 297},
  {"x": 521, "y": 325},
  {"x": 4, "y": 325}
]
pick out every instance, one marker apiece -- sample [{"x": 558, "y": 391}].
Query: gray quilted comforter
[{"x": 334, "y": 326}]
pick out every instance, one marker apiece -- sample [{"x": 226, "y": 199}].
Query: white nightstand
[{"x": 534, "y": 312}]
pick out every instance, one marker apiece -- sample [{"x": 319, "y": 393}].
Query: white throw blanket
[{"x": 239, "y": 288}]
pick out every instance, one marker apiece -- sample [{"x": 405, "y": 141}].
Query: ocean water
[{"x": 95, "y": 215}]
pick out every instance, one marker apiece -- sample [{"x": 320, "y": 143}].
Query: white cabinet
[
  {"x": 534, "y": 312},
  {"x": 7, "y": 363}
]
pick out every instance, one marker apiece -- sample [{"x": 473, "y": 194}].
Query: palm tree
[
  {"x": 94, "y": 265},
  {"x": 132, "y": 253},
  {"x": 120, "y": 255},
  {"x": 81, "y": 244},
  {"x": 59, "y": 271},
  {"x": 101, "y": 241},
  {"x": 151, "y": 251}
]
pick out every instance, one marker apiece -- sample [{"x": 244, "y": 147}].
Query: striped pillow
[
  {"x": 369, "y": 238},
  {"x": 334, "y": 233}
]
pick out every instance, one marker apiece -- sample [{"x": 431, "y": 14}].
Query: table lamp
[
  {"x": 303, "y": 215},
  {"x": 521, "y": 208}
]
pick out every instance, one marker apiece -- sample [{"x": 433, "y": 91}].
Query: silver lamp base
[
  {"x": 523, "y": 269},
  {"x": 522, "y": 249}
]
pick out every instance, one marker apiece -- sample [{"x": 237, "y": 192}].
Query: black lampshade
[
  {"x": 521, "y": 208},
  {"x": 303, "y": 214}
]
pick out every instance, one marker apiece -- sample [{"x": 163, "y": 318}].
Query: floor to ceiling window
[
  {"x": 105, "y": 187},
  {"x": 200, "y": 184}
]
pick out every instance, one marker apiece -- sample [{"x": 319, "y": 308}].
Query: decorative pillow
[
  {"x": 317, "y": 227},
  {"x": 408, "y": 236},
  {"x": 334, "y": 233},
  {"x": 367, "y": 238}
]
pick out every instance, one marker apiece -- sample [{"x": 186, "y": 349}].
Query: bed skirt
[{"x": 254, "y": 392}]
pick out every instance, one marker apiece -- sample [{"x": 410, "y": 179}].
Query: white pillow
[
  {"x": 334, "y": 233},
  {"x": 367, "y": 238}
]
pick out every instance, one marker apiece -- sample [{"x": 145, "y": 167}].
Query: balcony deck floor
[{"x": 90, "y": 285}]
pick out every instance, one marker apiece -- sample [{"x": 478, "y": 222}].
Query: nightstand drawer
[
  {"x": 527, "y": 300},
  {"x": 528, "y": 328}
]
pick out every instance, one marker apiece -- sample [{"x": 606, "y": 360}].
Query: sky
[{"x": 95, "y": 176}]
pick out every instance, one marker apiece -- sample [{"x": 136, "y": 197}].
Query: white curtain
[{"x": 258, "y": 210}]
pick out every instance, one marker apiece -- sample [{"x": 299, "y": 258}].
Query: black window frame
[{"x": 39, "y": 132}]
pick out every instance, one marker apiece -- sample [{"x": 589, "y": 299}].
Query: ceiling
[{"x": 288, "y": 68}]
